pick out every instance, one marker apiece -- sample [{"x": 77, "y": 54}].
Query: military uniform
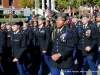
[
  {"x": 42, "y": 43},
  {"x": 96, "y": 48},
  {"x": 63, "y": 43},
  {"x": 86, "y": 37},
  {"x": 3, "y": 45},
  {"x": 74, "y": 28},
  {"x": 18, "y": 44}
]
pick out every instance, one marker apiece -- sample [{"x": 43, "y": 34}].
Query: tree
[
  {"x": 26, "y": 3},
  {"x": 75, "y": 3},
  {"x": 61, "y": 4}
]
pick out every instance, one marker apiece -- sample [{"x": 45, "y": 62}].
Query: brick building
[{"x": 6, "y": 4}]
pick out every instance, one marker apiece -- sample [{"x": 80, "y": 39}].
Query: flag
[
  {"x": 69, "y": 11},
  {"x": 47, "y": 13},
  {"x": 10, "y": 13},
  {"x": 91, "y": 11}
]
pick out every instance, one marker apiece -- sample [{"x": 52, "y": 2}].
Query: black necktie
[{"x": 83, "y": 27}]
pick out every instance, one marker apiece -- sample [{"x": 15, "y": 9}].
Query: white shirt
[
  {"x": 40, "y": 26},
  {"x": 98, "y": 24},
  {"x": 16, "y": 32},
  {"x": 24, "y": 28},
  {"x": 59, "y": 30}
]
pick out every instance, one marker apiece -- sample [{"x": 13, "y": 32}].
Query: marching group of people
[{"x": 57, "y": 42}]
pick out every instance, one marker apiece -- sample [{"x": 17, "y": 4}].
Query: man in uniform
[
  {"x": 87, "y": 40},
  {"x": 62, "y": 50}
]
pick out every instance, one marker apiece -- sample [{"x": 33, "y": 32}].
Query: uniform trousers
[
  {"x": 56, "y": 71},
  {"x": 91, "y": 63}
]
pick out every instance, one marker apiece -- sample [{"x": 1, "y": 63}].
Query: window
[
  {"x": 10, "y": 2},
  {"x": 0, "y": 2}
]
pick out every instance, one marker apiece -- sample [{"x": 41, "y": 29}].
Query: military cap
[
  {"x": 75, "y": 16},
  {"x": 2, "y": 22},
  {"x": 97, "y": 14},
  {"x": 61, "y": 14},
  {"x": 31, "y": 20},
  {"x": 47, "y": 20},
  {"x": 41, "y": 17},
  {"x": 85, "y": 15},
  {"x": 25, "y": 21},
  {"x": 52, "y": 19},
  {"x": 8, "y": 23},
  {"x": 17, "y": 22},
  {"x": 35, "y": 20}
]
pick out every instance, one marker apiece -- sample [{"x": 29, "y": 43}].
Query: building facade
[{"x": 6, "y": 4}]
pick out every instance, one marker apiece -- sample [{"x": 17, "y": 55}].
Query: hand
[
  {"x": 44, "y": 51},
  {"x": 55, "y": 57},
  {"x": 88, "y": 48},
  {"x": 15, "y": 60}
]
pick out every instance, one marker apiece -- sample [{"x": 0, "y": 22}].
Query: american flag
[
  {"x": 47, "y": 13},
  {"x": 69, "y": 11},
  {"x": 10, "y": 13}
]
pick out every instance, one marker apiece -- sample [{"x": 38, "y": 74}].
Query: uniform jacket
[
  {"x": 97, "y": 32},
  {"x": 87, "y": 37},
  {"x": 29, "y": 35},
  {"x": 3, "y": 41},
  {"x": 65, "y": 48},
  {"x": 18, "y": 44},
  {"x": 43, "y": 38}
]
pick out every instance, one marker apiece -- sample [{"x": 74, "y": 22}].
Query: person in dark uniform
[
  {"x": 42, "y": 42},
  {"x": 63, "y": 45},
  {"x": 47, "y": 23},
  {"x": 3, "y": 47},
  {"x": 75, "y": 25},
  {"x": 34, "y": 28},
  {"x": 29, "y": 35},
  {"x": 52, "y": 24},
  {"x": 9, "y": 32},
  {"x": 97, "y": 26},
  {"x": 87, "y": 40},
  {"x": 35, "y": 53},
  {"x": 30, "y": 23},
  {"x": 18, "y": 44},
  {"x": 8, "y": 51},
  {"x": 3, "y": 26}
]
